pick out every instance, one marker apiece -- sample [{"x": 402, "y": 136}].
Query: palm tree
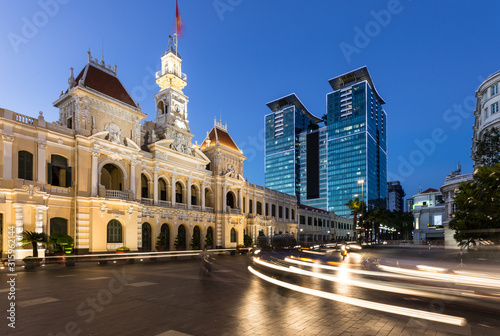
[
  {"x": 355, "y": 206},
  {"x": 33, "y": 238}
]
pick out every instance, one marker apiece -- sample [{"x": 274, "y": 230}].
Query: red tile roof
[
  {"x": 104, "y": 82},
  {"x": 429, "y": 191},
  {"x": 222, "y": 136}
]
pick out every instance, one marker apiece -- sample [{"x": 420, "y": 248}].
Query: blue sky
[{"x": 426, "y": 58}]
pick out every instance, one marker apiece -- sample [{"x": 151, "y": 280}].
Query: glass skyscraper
[
  {"x": 326, "y": 163},
  {"x": 357, "y": 133}
]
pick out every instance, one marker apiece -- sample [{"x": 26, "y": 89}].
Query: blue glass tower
[
  {"x": 294, "y": 161},
  {"x": 357, "y": 152}
]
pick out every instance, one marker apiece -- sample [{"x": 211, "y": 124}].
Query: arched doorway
[
  {"x": 209, "y": 198},
  {"x": 112, "y": 177},
  {"x": 231, "y": 200},
  {"x": 144, "y": 186},
  {"x": 180, "y": 240},
  {"x": 194, "y": 193},
  {"x": 146, "y": 237},
  {"x": 114, "y": 232},
  {"x": 178, "y": 193},
  {"x": 233, "y": 236},
  {"x": 162, "y": 188},
  {"x": 196, "y": 239},
  {"x": 165, "y": 230},
  {"x": 209, "y": 238}
]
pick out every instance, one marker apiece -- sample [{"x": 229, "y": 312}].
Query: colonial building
[
  {"x": 428, "y": 213},
  {"x": 321, "y": 226},
  {"x": 108, "y": 180}
]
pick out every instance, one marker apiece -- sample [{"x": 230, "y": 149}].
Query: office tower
[
  {"x": 395, "y": 196},
  {"x": 357, "y": 155}
]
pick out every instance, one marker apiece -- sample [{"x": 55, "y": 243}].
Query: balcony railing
[
  {"x": 117, "y": 194},
  {"x": 146, "y": 201},
  {"x": 196, "y": 207},
  {"x": 180, "y": 205},
  {"x": 165, "y": 204},
  {"x": 209, "y": 209}
]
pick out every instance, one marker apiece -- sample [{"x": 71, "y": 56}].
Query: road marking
[
  {"x": 65, "y": 276},
  {"x": 36, "y": 301},
  {"x": 142, "y": 284},
  {"x": 98, "y": 278},
  {"x": 173, "y": 333}
]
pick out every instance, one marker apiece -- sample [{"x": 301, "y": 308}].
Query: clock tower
[{"x": 171, "y": 103}]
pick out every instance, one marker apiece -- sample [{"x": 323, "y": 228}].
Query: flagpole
[{"x": 176, "y": 27}]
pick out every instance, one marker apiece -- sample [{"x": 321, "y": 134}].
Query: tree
[
  {"x": 355, "y": 206},
  {"x": 34, "y": 238},
  {"x": 487, "y": 150},
  {"x": 477, "y": 203}
]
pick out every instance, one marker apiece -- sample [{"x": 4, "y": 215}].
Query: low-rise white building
[{"x": 428, "y": 212}]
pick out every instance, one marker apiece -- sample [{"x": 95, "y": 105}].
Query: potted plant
[
  {"x": 209, "y": 241},
  {"x": 34, "y": 238},
  {"x": 122, "y": 249},
  {"x": 62, "y": 244},
  {"x": 195, "y": 242},
  {"x": 29, "y": 262},
  {"x": 180, "y": 242},
  {"x": 161, "y": 242},
  {"x": 247, "y": 240}
]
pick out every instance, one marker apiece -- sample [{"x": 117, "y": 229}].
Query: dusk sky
[{"x": 426, "y": 58}]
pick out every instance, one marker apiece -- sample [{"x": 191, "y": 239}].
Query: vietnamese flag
[{"x": 179, "y": 25}]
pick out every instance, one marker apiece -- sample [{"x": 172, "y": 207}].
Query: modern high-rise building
[
  {"x": 327, "y": 162},
  {"x": 357, "y": 133},
  {"x": 295, "y": 152}
]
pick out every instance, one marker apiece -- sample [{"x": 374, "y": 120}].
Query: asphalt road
[{"x": 178, "y": 297}]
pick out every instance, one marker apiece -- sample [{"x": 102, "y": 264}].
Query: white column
[
  {"x": 41, "y": 163},
  {"x": 155, "y": 186},
  {"x": 39, "y": 217},
  {"x": 95, "y": 173},
  {"x": 240, "y": 201},
  {"x": 188, "y": 201},
  {"x": 19, "y": 222},
  {"x": 224, "y": 200},
  {"x": 203, "y": 196},
  {"x": 133, "y": 163},
  {"x": 173, "y": 189},
  {"x": 7, "y": 156}
]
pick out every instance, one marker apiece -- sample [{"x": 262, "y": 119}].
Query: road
[{"x": 178, "y": 298}]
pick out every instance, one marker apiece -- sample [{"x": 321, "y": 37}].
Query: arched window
[
  {"x": 165, "y": 229},
  {"x": 160, "y": 108},
  {"x": 112, "y": 177},
  {"x": 196, "y": 239},
  {"x": 144, "y": 186},
  {"x": 209, "y": 238},
  {"x": 178, "y": 192},
  {"x": 194, "y": 199},
  {"x": 59, "y": 174},
  {"x": 58, "y": 224},
  {"x": 233, "y": 235},
  {"x": 180, "y": 240},
  {"x": 25, "y": 165},
  {"x": 115, "y": 232},
  {"x": 259, "y": 208},
  {"x": 162, "y": 188},
  {"x": 146, "y": 237},
  {"x": 230, "y": 200},
  {"x": 209, "y": 198}
]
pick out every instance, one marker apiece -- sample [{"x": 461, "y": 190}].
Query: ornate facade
[{"x": 107, "y": 180}]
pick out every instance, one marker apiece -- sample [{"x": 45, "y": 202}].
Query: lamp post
[{"x": 362, "y": 191}]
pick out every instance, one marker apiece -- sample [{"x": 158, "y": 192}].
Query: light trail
[{"x": 448, "y": 319}]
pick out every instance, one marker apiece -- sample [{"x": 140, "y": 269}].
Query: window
[
  {"x": 233, "y": 235},
  {"x": 59, "y": 174},
  {"x": 114, "y": 232},
  {"x": 144, "y": 186},
  {"x": 280, "y": 211},
  {"x": 293, "y": 214},
  {"x": 259, "y": 208},
  {"x": 162, "y": 186},
  {"x": 302, "y": 220},
  {"x": 494, "y": 90},
  {"x": 25, "y": 165},
  {"x": 315, "y": 222},
  {"x": 244, "y": 205},
  {"x": 494, "y": 108},
  {"x": 58, "y": 224},
  {"x": 194, "y": 199},
  {"x": 250, "y": 206},
  {"x": 267, "y": 209},
  {"x": 273, "y": 210},
  {"x": 178, "y": 192},
  {"x": 287, "y": 213},
  {"x": 309, "y": 221}
]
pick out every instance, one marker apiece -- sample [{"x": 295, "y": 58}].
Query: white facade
[
  {"x": 448, "y": 190},
  {"x": 487, "y": 114},
  {"x": 428, "y": 213}
]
